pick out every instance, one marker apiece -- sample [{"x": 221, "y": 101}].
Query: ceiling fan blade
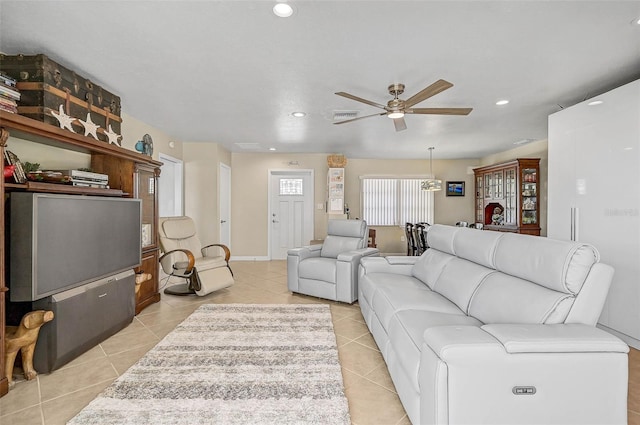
[
  {"x": 439, "y": 111},
  {"x": 359, "y": 99},
  {"x": 399, "y": 124},
  {"x": 432, "y": 90},
  {"x": 360, "y": 118}
]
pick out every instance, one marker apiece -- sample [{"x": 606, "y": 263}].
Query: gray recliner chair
[{"x": 330, "y": 270}]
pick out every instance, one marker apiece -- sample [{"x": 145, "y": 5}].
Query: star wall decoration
[
  {"x": 90, "y": 128},
  {"x": 64, "y": 119},
  {"x": 113, "y": 137}
]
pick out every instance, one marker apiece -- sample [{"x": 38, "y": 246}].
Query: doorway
[
  {"x": 225, "y": 205},
  {"x": 290, "y": 211},
  {"x": 170, "y": 186}
]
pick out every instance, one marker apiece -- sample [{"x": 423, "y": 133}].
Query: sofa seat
[
  {"x": 390, "y": 295},
  {"x": 204, "y": 263},
  {"x": 406, "y": 331},
  {"x": 318, "y": 268},
  {"x": 492, "y": 327}
]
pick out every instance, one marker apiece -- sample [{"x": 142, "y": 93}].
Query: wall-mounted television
[{"x": 58, "y": 242}]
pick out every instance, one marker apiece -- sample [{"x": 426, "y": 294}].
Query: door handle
[
  {"x": 223, "y": 221},
  {"x": 275, "y": 221}
]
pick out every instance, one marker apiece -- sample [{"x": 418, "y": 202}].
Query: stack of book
[
  {"x": 18, "y": 172},
  {"x": 9, "y": 94}
]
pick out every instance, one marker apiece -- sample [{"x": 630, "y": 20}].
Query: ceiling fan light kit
[{"x": 397, "y": 108}]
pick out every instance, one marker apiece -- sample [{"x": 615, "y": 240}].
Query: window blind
[{"x": 395, "y": 201}]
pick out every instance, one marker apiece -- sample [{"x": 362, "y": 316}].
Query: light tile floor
[{"x": 55, "y": 398}]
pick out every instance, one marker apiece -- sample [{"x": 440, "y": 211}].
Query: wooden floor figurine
[{"x": 23, "y": 338}]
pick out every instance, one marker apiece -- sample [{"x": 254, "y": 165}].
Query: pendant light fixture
[{"x": 431, "y": 184}]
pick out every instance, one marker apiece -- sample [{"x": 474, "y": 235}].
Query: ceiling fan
[{"x": 397, "y": 108}]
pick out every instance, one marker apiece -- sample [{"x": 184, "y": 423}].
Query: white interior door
[
  {"x": 225, "y": 205},
  {"x": 170, "y": 186},
  {"x": 291, "y": 211}
]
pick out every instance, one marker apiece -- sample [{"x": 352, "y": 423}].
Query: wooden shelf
[
  {"x": 39, "y": 132},
  {"x": 62, "y": 188}
]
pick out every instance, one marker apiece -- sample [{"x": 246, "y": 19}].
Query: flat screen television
[{"x": 59, "y": 242}]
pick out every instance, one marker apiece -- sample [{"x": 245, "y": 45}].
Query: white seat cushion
[
  {"x": 406, "y": 329},
  {"x": 318, "y": 268}
]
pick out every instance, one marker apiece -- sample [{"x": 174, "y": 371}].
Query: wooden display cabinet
[
  {"x": 145, "y": 188},
  {"x": 507, "y": 196},
  {"x": 140, "y": 180},
  {"x": 131, "y": 174}
]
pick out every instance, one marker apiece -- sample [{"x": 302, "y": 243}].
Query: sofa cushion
[
  {"x": 349, "y": 228},
  {"x": 558, "y": 265},
  {"x": 406, "y": 329},
  {"x": 507, "y": 299},
  {"x": 318, "y": 268},
  {"x": 206, "y": 263},
  {"x": 441, "y": 237},
  {"x": 335, "y": 245},
  {"x": 388, "y": 300},
  {"x": 429, "y": 266},
  {"x": 371, "y": 283},
  {"x": 459, "y": 280},
  {"x": 479, "y": 247},
  {"x": 179, "y": 228}
]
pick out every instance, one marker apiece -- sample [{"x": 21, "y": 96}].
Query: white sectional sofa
[{"x": 497, "y": 328}]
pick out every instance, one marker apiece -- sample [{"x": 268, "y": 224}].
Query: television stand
[{"x": 84, "y": 317}]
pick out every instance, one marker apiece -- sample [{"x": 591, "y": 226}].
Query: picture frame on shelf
[
  {"x": 146, "y": 234},
  {"x": 455, "y": 188}
]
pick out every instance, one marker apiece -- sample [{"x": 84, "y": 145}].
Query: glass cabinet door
[
  {"x": 498, "y": 188},
  {"x": 479, "y": 200},
  {"x": 510, "y": 197},
  {"x": 529, "y": 196},
  {"x": 145, "y": 189},
  {"x": 487, "y": 185}
]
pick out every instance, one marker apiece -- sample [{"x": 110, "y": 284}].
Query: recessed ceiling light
[
  {"x": 502, "y": 102},
  {"x": 272, "y": 149},
  {"x": 595, "y": 103},
  {"x": 298, "y": 114},
  {"x": 283, "y": 10}
]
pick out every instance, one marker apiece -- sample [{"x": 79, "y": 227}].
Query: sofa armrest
[
  {"x": 397, "y": 265},
  {"x": 519, "y": 339},
  {"x": 571, "y": 374},
  {"x": 347, "y": 272},
  {"x": 305, "y": 252},
  {"x": 357, "y": 254},
  {"x": 562, "y": 338},
  {"x": 294, "y": 256}
]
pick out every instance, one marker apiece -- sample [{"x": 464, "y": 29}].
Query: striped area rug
[{"x": 233, "y": 364}]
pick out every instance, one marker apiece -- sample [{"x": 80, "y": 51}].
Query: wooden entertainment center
[{"x": 131, "y": 174}]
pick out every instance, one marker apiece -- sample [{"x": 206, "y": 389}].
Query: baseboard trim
[{"x": 249, "y": 258}]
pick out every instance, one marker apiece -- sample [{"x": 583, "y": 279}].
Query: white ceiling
[{"x": 231, "y": 72}]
